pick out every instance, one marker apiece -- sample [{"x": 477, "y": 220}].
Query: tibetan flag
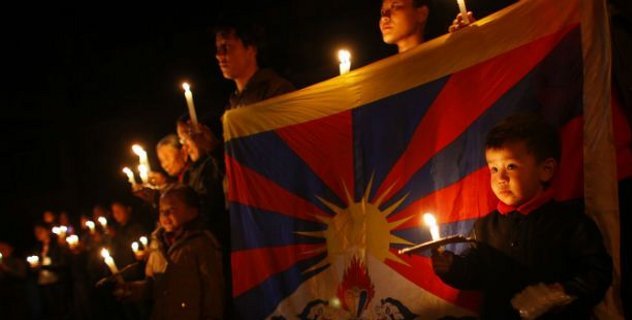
[{"x": 328, "y": 182}]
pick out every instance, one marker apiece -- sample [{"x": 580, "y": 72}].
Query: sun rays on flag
[{"x": 359, "y": 229}]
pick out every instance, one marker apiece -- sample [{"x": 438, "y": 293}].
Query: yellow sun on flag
[{"x": 360, "y": 227}]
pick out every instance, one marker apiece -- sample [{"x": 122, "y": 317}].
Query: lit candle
[
  {"x": 103, "y": 222},
  {"x": 431, "y": 223},
  {"x": 189, "y": 97},
  {"x": 62, "y": 231},
  {"x": 144, "y": 241},
  {"x": 33, "y": 261},
  {"x": 0, "y": 257},
  {"x": 90, "y": 225},
  {"x": 135, "y": 247},
  {"x": 56, "y": 230},
  {"x": 463, "y": 11},
  {"x": 142, "y": 156},
  {"x": 345, "y": 61},
  {"x": 144, "y": 173},
  {"x": 72, "y": 241},
  {"x": 130, "y": 175},
  {"x": 105, "y": 253}
]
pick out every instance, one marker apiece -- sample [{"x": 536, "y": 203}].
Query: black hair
[
  {"x": 245, "y": 28},
  {"x": 420, "y": 3},
  {"x": 541, "y": 139},
  {"x": 184, "y": 193}
]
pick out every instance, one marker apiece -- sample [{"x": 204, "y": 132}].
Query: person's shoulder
[{"x": 276, "y": 83}]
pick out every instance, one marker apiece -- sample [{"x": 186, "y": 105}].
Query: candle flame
[
  {"x": 135, "y": 246},
  {"x": 103, "y": 221},
  {"x": 90, "y": 224},
  {"x": 72, "y": 239},
  {"x": 429, "y": 220},
  {"x": 128, "y": 171},
  {"x": 32, "y": 259},
  {"x": 138, "y": 150},
  {"x": 105, "y": 253},
  {"x": 56, "y": 230},
  {"x": 143, "y": 240},
  {"x": 344, "y": 56},
  {"x": 186, "y": 86}
]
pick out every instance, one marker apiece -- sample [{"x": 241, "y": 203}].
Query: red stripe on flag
[
  {"x": 419, "y": 271},
  {"x": 250, "y": 188},
  {"x": 326, "y": 146},
  {"x": 252, "y": 267},
  {"x": 569, "y": 179},
  {"x": 469, "y": 198},
  {"x": 465, "y": 96}
]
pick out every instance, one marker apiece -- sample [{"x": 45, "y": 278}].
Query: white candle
[
  {"x": 189, "y": 97},
  {"x": 109, "y": 261},
  {"x": 90, "y": 225},
  {"x": 144, "y": 241},
  {"x": 130, "y": 175},
  {"x": 431, "y": 223},
  {"x": 33, "y": 261},
  {"x": 72, "y": 241},
  {"x": 144, "y": 173},
  {"x": 463, "y": 11},
  {"x": 142, "y": 156},
  {"x": 135, "y": 247},
  {"x": 103, "y": 221},
  {"x": 345, "y": 61}
]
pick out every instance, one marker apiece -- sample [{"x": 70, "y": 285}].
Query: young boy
[
  {"x": 533, "y": 256},
  {"x": 184, "y": 268}
]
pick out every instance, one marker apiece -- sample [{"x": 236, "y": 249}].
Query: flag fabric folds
[{"x": 328, "y": 182}]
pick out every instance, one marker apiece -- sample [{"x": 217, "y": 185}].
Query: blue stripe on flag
[
  {"x": 256, "y": 228},
  {"x": 268, "y": 155},
  {"x": 383, "y": 129}
]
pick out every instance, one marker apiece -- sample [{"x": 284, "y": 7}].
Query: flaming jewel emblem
[{"x": 356, "y": 290}]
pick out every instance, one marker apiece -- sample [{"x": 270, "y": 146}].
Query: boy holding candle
[
  {"x": 184, "y": 269},
  {"x": 533, "y": 255}
]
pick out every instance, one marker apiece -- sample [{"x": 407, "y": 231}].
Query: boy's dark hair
[
  {"x": 183, "y": 192},
  {"x": 540, "y": 137},
  {"x": 248, "y": 31},
  {"x": 419, "y": 3}
]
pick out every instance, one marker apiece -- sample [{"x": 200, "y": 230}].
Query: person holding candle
[
  {"x": 238, "y": 44},
  {"x": 184, "y": 269},
  {"x": 173, "y": 157},
  {"x": 51, "y": 273},
  {"x": 403, "y": 22},
  {"x": 126, "y": 231},
  {"x": 531, "y": 244}
]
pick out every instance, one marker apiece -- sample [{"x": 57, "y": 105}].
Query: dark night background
[{"x": 81, "y": 85}]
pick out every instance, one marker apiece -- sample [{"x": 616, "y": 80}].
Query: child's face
[
  {"x": 174, "y": 213},
  {"x": 516, "y": 177}
]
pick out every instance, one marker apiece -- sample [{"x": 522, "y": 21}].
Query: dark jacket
[
  {"x": 264, "y": 84},
  {"x": 205, "y": 178},
  {"x": 552, "y": 244},
  {"x": 184, "y": 278}
]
